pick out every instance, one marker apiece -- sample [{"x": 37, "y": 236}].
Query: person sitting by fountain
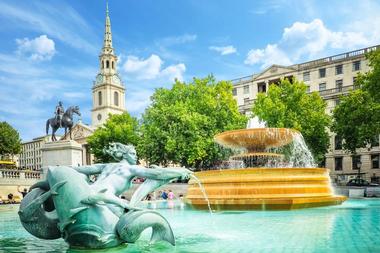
[
  {"x": 116, "y": 178},
  {"x": 164, "y": 195},
  {"x": 171, "y": 195},
  {"x": 11, "y": 199},
  {"x": 23, "y": 193}
]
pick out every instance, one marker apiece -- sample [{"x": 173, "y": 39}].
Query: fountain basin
[
  {"x": 256, "y": 139},
  {"x": 263, "y": 189}
]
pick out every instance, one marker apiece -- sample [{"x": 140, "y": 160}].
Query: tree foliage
[
  {"x": 357, "y": 117},
  {"x": 10, "y": 142},
  {"x": 289, "y": 105},
  {"x": 118, "y": 128},
  {"x": 181, "y": 122}
]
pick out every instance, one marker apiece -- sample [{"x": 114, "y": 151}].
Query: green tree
[
  {"x": 118, "y": 128},
  {"x": 10, "y": 142},
  {"x": 357, "y": 117},
  {"x": 289, "y": 105},
  {"x": 181, "y": 122}
]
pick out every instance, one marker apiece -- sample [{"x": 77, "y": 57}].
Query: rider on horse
[{"x": 59, "y": 111}]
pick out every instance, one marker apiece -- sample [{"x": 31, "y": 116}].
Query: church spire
[{"x": 107, "y": 45}]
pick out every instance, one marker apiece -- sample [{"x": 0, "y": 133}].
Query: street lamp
[{"x": 359, "y": 165}]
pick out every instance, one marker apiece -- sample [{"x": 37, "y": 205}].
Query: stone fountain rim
[{"x": 218, "y": 137}]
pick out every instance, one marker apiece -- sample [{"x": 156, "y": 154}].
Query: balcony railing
[
  {"x": 20, "y": 174},
  {"x": 336, "y": 91},
  {"x": 310, "y": 64},
  {"x": 337, "y": 57}
]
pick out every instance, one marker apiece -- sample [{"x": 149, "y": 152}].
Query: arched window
[
  {"x": 102, "y": 64},
  {"x": 116, "y": 98},
  {"x": 107, "y": 64},
  {"x": 113, "y": 65},
  {"x": 100, "y": 97}
]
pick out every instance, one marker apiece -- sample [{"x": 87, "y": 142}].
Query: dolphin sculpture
[{"x": 90, "y": 214}]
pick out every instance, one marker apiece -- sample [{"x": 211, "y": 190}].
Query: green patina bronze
[{"x": 89, "y": 214}]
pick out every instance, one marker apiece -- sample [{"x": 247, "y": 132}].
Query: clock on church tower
[{"x": 108, "y": 92}]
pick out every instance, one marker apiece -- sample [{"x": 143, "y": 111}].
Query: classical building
[
  {"x": 331, "y": 77},
  {"x": 30, "y": 157},
  {"x": 108, "y": 92}
]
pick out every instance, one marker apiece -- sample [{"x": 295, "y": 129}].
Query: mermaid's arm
[
  {"x": 159, "y": 173},
  {"x": 91, "y": 169}
]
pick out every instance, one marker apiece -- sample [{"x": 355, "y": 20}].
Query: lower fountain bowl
[{"x": 263, "y": 189}]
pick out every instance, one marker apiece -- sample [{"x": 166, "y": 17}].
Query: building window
[
  {"x": 338, "y": 142},
  {"x": 262, "y": 87},
  {"x": 246, "y": 101},
  {"x": 355, "y": 162},
  {"x": 339, "y": 84},
  {"x": 356, "y": 66},
  {"x": 354, "y": 80},
  {"x": 100, "y": 98},
  {"x": 306, "y": 76},
  {"x": 322, "y": 86},
  {"x": 322, "y": 73},
  {"x": 337, "y": 101},
  {"x": 234, "y": 92},
  {"x": 113, "y": 67},
  {"x": 107, "y": 64},
  {"x": 338, "y": 163},
  {"x": 307, "y": 89},
  {"x": 116, "y": 98},
  {"x": 102, "y": 64},
  {"x": 246, "y": 89},
  {"x": 339, "y": 69},
  {"x": 375, "y": 161}
]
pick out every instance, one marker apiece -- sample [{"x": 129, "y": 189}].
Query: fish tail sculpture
[
  {"x": 37, "y": 213},
  {"x": 133, "y": 223}
]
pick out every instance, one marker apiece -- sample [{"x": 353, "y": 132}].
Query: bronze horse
[{"x": 66, "y": 122}]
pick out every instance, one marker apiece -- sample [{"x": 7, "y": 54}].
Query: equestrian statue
[{"x": 62, "y": 119}]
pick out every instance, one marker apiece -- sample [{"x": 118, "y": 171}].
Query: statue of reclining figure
[
  {"x": 90, "y": 214},
  {"x": 116, "y": 178}
]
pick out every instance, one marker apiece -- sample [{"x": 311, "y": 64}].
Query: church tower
[{"x": 108, "y": 92}]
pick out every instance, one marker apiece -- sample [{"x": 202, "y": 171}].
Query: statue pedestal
[{"x": 64, "y": 153}]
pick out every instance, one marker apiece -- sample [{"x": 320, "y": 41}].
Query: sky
[{"x": 49, "y": 49}]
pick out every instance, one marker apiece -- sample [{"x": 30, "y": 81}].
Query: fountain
[{"x": 266, "y": 180}]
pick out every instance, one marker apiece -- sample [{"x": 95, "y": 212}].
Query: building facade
[
  {"x": 108, "y": 92},
  {"x": 331, "y": 77},
  {"x": 30, "y": 157}
]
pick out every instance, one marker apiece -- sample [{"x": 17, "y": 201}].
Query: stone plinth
[
  {"x": 263, "y": 189},
  {"x": 65, "y": 152}
]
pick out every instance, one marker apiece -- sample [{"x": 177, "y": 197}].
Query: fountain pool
[
  {"x": 353, "y": 226},
  {"x": 265, "y": 180}
]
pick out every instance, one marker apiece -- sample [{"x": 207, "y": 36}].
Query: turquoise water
[{"x": 351, "y": 227}]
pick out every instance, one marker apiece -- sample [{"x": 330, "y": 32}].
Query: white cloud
[
  {"x": 305, "y": 41},
  {"x": 224, "y": 50},
  {"x": 58, "y": 20},
  {"x": 151, "y": 68},
  {"x": 39, "y": 49},
  {"x": 174, "y": 72},
  {"x": 267, "y": 56}
]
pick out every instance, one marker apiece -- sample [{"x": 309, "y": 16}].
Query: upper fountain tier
[{"x": 256, "y": 139}]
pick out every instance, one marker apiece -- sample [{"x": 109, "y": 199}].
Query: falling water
[
  {"x": 203, "y": 191},
  {"x": 301, "y": 155},
  {"x": 255, "y": 122}
]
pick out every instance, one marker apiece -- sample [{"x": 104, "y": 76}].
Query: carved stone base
[{"x": 65, "y": 152}]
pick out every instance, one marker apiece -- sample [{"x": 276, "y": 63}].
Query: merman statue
[{"x": 89, "y": 214}]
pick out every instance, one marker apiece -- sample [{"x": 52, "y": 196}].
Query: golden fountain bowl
[{"x": 256, "y": 138}]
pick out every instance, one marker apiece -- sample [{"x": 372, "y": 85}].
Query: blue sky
[{"x": 49, "y": 49}]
